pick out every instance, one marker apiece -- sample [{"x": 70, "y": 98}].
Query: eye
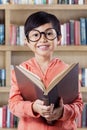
[
  {"x": 49, "y": 33},
  {"x": 36, "y": 35}
]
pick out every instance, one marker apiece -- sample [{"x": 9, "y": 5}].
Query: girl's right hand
[{"x": 40, "y": 108}]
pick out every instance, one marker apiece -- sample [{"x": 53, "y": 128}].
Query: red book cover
[
  {"x": 4, "y": 116},
  {"x": 77, "y": 32}
]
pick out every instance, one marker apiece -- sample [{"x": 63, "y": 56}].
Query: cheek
[{"x": 55, "y": 43}]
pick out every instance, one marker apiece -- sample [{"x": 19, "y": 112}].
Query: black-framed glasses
[{"x": 34, "y": 35}]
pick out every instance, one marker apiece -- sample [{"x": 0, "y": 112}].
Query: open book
[{"x": 64, "y": 85}]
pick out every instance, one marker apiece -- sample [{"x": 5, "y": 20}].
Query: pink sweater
[{"x": 23, "y": 109}]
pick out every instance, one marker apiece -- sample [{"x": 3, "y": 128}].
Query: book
[
  {"x": 77, "y": 32},
  {"x": 2, "y": 34},
  {"x": 0, "y": 117},
  {"x": 64, "y": 85},
  {"x": 68, "y": 33},
  {"x": 84, "y": 116},
  {"x": 4, "y": 115},
  {"x": 83, "y": 30},
  {"x": 72, "y": 30}
]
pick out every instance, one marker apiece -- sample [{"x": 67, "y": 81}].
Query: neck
[{"x": 43, "y": 62}]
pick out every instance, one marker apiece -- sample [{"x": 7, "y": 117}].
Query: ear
[
  {"x": 59, "y": 40},
  {"x": 26, "y": 41}
]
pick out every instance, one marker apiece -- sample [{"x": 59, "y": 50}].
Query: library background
[{"x": 73, "y": 48}]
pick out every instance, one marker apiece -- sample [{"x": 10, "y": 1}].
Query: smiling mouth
[{"x": 43, "y": 47}]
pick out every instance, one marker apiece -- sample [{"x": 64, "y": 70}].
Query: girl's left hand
[{"x": 57, "y": 112}]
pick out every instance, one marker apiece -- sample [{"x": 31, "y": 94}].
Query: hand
[
  {"x": 43, "y": 110},
  {"x": 57, "y": 112}
]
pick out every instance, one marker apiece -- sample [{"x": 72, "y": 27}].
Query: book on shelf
[
  {"x": 0, "y": 117},
  {"x": 7, "y": 119},
  {"x": 77, "y": 32},
  {"x": 64, "y": 85},
  {"x": 4, "y": 116},
  {"x": 84, "y": 116},
  {"x": 83, "y": 72},
  {"x": 72, "y": 30},
  {"x": 2, "y": 77},
  {"x": 2, "y": 34},
  {"x": 83, "y": 30}
]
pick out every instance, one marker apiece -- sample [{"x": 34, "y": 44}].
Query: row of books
[
  {"x": 2, "y": 34},
  {"x": 71, "y": 2},
  {"x": 43, "y": 1},
  {"x": 2, "y": 77},
  {"x": 4, "y": 1},
  {"x": 17, "y": 35},
  {"x": 74, "y": 32},
  {"x": 82, "y": 118},
  {"x": 7, "y": 119},
  {"x": 28, "y": 1}
]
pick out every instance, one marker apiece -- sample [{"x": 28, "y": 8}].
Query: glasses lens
[
  {"x": 34, "y": 35},
  {"x": 51, "y": 34}
]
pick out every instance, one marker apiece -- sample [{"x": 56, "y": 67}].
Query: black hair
[{"x": 40, "y": 18}]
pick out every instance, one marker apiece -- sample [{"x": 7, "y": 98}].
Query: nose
[{"x": 43, "y": 36}]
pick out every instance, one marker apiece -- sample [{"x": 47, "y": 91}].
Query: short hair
[{"x": 40, "y": 18}]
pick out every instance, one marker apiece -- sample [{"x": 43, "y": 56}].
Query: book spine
[
  {"x": 83, "y": 77},
  {"x": 3, "y": 77},
  {"x": 77, "y": 32},
  {"x": 4, "y": 115},
  {"x": 22, "y": 35},
  {"x": 8, "y": 117},
  {"x": 83, "y": 31},
  {"x": 2, "y": 34},
  {"x": 67, "y": 33},
  {"x": 72, "y": 40},
  {"x": 1, "y": 117},
  {"x": 84, "y": 116}
]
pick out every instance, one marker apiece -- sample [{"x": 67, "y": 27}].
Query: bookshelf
[{"x": 16, "y": 14}]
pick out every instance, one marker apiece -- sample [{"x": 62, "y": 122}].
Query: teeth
[{"x": 44, "y": 46}]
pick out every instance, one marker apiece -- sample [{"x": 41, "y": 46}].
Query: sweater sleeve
[
  {"x": 71, "y": 111},
  {"x": 16, "y": 104}
]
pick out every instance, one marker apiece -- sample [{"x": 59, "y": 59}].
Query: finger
[
  {"x": 61, "y": 102},
  {"x": 52, "y": 108}
]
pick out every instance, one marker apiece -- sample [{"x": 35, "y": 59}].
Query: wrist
[{"x": 33, "y": 109}]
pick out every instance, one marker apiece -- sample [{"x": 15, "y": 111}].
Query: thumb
[{"x": 61, "y": 102}]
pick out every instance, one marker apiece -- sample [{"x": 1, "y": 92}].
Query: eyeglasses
[{"x": 35, "y": 35}]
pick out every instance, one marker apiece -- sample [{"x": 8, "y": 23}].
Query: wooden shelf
[
  {"x": 8, "y": 128},
  {"x": 4, "y": 89},
  {"x": 83, "y": 89},
  {"x": 41, "y": 6},
  {"x": 81, "y": 128},
  {"x": 59, "y": 48}
]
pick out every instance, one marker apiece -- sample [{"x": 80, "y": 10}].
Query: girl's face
[{"x": 43, "y": 47}]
